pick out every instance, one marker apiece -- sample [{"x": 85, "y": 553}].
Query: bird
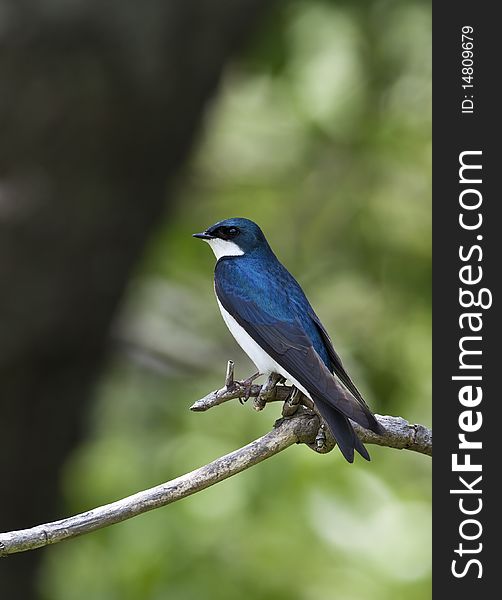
[{"x": 272, "y": 320}]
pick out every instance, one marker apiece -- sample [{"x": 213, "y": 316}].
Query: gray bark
[
  {"x": 302, "y": 427},
  {"x": 398, "y": 433}
]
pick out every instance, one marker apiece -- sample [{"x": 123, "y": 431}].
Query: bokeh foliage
[{"x": 321, "y": 134}]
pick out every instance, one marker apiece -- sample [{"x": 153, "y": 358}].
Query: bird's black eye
[{"x": 227, "y": 233}]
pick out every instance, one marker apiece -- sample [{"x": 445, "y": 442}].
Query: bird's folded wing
[
  {"x": 336, "y": 361},
  {"x": 288, "y": 344}
]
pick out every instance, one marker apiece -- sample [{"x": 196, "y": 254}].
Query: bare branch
[
  {"x": 229, "y": 377},
  {"x": 301, "y": 427},
  {"x": 240, "y": 389},
  {"x": 289, "y": 432},
  {"x": 398, "y": 434}
]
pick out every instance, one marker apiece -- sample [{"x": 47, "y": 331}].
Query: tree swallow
[{"x": 270, "y": 317}]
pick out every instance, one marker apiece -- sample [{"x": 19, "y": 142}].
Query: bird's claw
[
  {"x": 246, "y": 385},
  {"x": 290, "y": 406},
  {"x": 323, "y": 442},
  {"x": 267, "y": 391},
  {"x": 320, "y": 439}
]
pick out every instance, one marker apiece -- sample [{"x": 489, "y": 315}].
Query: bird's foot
[
  {"x": 320, "y": 438},
  {"x": 324, "y": 441},
  {"x": 246, "y": 385},
  {"x": 267, "y": 391},
  {"x": 290, "y": 406}
]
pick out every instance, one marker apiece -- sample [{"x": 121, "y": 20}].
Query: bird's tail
[{"x": 342, "y": 431}]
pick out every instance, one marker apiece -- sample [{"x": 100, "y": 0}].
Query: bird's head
[{"x": 233, "y": 237}]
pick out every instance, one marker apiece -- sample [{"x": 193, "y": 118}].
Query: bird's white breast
[{"x": 264, "y": 363}]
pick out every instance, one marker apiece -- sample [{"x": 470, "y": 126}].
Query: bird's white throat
[{"x": 224, "y": 248}]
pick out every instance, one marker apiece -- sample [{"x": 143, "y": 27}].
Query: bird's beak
[{"x": 203, "y": 236}]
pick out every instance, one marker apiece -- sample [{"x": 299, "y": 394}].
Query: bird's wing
[
  {"x": 336, "y": 361},
  {"x": 288, "y": 344}
]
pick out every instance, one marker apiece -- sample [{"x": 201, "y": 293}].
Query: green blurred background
[{"x": 322, "y": 134}]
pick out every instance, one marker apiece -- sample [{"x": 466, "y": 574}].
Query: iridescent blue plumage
[
  {"x": 264, "y": 299},
  {"x": 260, "y": 278}
]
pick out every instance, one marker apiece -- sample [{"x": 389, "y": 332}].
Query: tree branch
[
  {"x": 302, "y": 427},
  {"x": 291, "y": 431},
  {"x": 398, "y": 434}
]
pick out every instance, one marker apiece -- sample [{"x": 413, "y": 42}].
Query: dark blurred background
[{"x": 124, "y": 128}]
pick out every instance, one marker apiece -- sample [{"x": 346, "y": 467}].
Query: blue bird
[{"x": 270, "y": 317}]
